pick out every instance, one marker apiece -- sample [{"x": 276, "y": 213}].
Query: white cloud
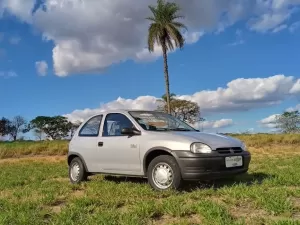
[
  {"x": 8, "y": 74},
  {"x": 273, "y": 14},
  {"x": 269, "y": 21},
  {"x": 96, "y": 34},
  {"x": 239, "y": 95},
  {"x": 297, "y": 107},
  {"x": 15, "y": 40},
  {"x": 295, "y": 26},
  {"x": 296, "y": 88},
  {"x": 41, "y": 68},
  {"x": 239, "y": 42},
  {"x": 269, "y": 121},
  {"x": 192, "y": 37},
  {"x": 239, "y": 39},
  {"x": 146, "y": 56},
  {"x": 223, "y": 123},
  {"x": 142, "y": 102},
  {"x": 280, "y": 28},
  {"x": 244, "y": 94}
]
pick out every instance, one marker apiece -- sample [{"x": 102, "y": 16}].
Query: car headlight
[
  {"x": 200, "y": 148},
  {"x": 244, "y": 147}
]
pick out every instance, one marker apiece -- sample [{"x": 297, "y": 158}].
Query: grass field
[{"x": 36, "y": 190}]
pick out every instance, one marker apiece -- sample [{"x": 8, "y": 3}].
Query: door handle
[{"x": 100, "y": 144}]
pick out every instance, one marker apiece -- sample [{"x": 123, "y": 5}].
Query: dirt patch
[
  {"x": 296, "y": 202},
  {"x": 57, "y": 206},
  {"x": 60, "y": 179},
  {"x": 6, "y": 194},
  {"x": 122, "y": 207},
  {"x": 167, "y": 219},
  {"x": 44, "y": 159},
  {"x": 56, "y": 209},
  {"x": 195, "y": 219},
  {"x": 246, "y": 211},
  {"x": 217, "y": 200},
  {"x": 78, "y": 193}
]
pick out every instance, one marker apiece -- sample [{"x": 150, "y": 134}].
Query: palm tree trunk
[{"x": 166, "y": 78}]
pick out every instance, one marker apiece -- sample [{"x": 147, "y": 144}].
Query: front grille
[{"x": 229, "y": 150}]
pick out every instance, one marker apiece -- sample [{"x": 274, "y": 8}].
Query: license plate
[{"x": 234, "y": 161}]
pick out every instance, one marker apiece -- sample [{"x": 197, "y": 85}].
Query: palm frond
[
  {"x": 168, "y": 42},
  {"x": 175, "y": 35},
  {"x": 153, "y": 10},
  {"x": 165, "y": 29},
  {"x": 151, "y": 19},
  {"x": 179, "y": 25},
  {"x": 175, "y": 17},
  {"x": 153, "y": 36}
]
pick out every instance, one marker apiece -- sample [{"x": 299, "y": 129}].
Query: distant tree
[
  {"x": 165, "y": 31},
  {"x": 38, "y": 134},
  {"x": 74, "y": 127},
  {"x": 15, "y": 126},
  {"x": 4, "y": 126},
  {"x": 288, "y": 122},
  {"x": 57, "y": 127},
  {"x": 184, "y": 110}
]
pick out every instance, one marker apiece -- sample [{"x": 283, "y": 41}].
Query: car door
[
  {"x": 86, "y": 142},
  {"x": 118, "y": 153}
]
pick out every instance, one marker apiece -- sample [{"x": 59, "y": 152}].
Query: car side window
[
  {"x": 114, "y": 123},
  {"x": 91, "y": 127}
]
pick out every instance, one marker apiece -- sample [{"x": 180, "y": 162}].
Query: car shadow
[
  {"x": 188, "y": 186},
  {"x": 123, "y": 179},
  {"x": 247, "y": 179}
]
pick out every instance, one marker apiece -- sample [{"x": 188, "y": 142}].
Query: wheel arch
[
  {"x": 72, "y": 155},
  {"x": 154, "y": 152}
]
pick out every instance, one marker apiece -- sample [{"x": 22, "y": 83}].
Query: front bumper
[{"x": 209, "y": 166}]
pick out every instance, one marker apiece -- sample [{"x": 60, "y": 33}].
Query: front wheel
[
  {"x": 77, "y": 171},
  {"x": 163, "y": 173}
]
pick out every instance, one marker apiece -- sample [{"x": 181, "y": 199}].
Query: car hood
[{"x": 213, "y": 140}]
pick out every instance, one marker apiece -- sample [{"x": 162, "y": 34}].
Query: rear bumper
[{"x": 209, "y": 166}]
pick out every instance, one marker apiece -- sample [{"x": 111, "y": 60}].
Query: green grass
[
  {"x": 32, "y": 148},
  {"x": 261, "y": 140},
  {"x": 37, "y": 191},
  {"x": 46, "y": 148}
]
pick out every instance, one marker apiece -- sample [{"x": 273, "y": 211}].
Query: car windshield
[{"x": 159, "y": 121}]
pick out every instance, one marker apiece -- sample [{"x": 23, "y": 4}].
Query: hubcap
[
  {"x": 162, "y": 175},
  {"x": 75, "y": 170}
]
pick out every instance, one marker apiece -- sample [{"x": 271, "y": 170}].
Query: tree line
[
  {"x": 288, "y": 122},
  {"x": 59, "y": 127},
  {"x": 43, "y": 127}
]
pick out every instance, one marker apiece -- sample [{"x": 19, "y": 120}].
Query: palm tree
[
  {"x": 164, "y": 30},
  {"x": 164, "y": 97}
]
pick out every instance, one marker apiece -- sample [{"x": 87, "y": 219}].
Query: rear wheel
[
  {"x": 163, "y": 173},
  {"x": 77, "y": 172}
]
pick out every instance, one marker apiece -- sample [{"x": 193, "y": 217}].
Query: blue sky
[{"x": 87, "y": 64}]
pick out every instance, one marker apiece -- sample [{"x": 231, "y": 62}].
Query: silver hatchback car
[{"x": 153, "y": 145}]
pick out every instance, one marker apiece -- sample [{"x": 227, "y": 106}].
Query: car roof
[{"x": 123, "y": 111}]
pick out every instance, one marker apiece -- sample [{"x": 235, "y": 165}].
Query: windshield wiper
[{"x": 179, "y": 129}]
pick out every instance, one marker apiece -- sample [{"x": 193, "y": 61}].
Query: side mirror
[{"x": 130, "y": 131}]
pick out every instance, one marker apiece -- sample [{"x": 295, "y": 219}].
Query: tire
[
  {"x": 165, "y": 165},
  {"x": 77, "y": 172}
]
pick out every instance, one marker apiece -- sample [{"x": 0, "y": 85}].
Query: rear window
[{"x": 91, "y": 127}]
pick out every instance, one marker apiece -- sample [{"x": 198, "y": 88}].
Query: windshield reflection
[{"x": 159, "y": 121}]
